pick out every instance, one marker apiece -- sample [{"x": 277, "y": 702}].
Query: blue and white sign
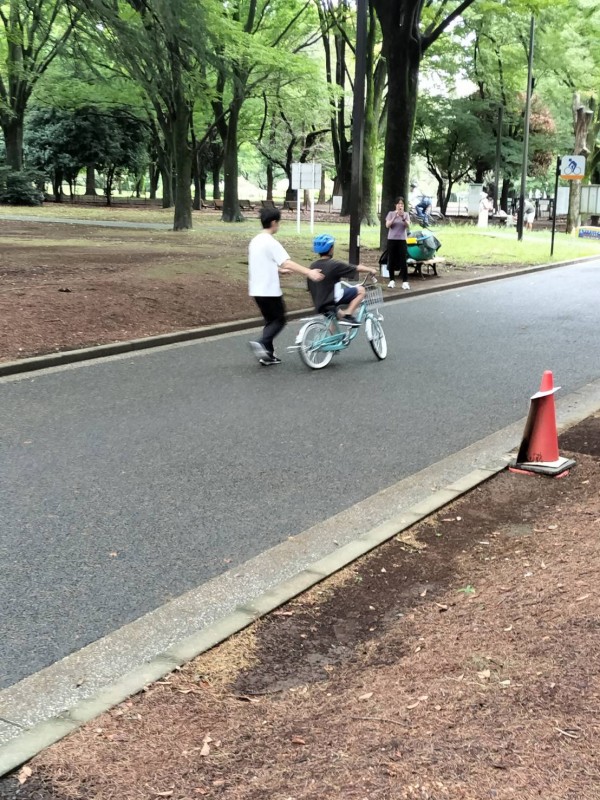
[{"x": 572, "y": 168}]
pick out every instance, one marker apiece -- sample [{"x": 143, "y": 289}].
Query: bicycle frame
[{"x": 340, "y": 336}]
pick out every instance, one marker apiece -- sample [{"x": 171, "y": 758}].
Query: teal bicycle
[{"x": 321, "y": 337}]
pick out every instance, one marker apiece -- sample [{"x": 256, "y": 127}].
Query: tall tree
[
  {"x": 260, "y": 41},
  {"x": 409, "y": 28},
  {"x": 161, "y": 44},
  {"x": 33, "y": 34}
]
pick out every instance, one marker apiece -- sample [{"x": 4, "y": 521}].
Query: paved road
[{"x": 129, "y": 481}]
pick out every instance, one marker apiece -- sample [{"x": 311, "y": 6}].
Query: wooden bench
[
  {"x": 218, "y": 205},
  {"x": 246, "y": 205},
  {"x": 431, "y": 264},
  {"x": 291, "y": 205},
  {"x": 268, "y": 204}
]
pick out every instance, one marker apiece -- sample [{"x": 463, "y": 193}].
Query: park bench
[
  {"x": 291, "y": 205},
  {"x": 268, "y": 204},
  {"x": 218, "y": 205},
  {"x": 246, "y": 205},
  {"x": 431, "y": 264}
]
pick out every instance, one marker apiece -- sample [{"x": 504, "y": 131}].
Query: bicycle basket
[{"x": 374, "y": 297}]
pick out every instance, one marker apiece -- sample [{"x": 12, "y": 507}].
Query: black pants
[
  {"x": 273, "y": 311},
  {"x": 397, "y": 255}
]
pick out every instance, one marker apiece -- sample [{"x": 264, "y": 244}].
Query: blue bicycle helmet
[{"x": 322, "y": 244}]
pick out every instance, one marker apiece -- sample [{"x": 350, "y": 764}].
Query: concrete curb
[
  {"x": 28, "y": 744},
  {"x": 573, "y": 409},
  {"x": 117, "y": 348}
]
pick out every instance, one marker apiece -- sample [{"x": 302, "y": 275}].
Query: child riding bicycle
[{"x": 329, "y": 296}]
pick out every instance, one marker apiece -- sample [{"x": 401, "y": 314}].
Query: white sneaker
[
  {"x": 392, "y": 285},
  {"x": 259, "y": 350},
  {"x": 405, "y": 285}
]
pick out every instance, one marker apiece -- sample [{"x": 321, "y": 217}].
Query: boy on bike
[{"x": 329, "y": 295}]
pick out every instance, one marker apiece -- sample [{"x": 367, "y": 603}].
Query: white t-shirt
[{"x": 265, "y": 255}]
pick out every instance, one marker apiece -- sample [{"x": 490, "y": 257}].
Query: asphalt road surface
[{"x": 125, "y": 483}]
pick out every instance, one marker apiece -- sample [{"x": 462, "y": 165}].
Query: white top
[{"x": 265, "y": 255}]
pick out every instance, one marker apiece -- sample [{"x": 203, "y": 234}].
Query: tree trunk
[
  {"x": 403, "y": 59},
  {"x": 154, "y": 175},
  {"x": 57, "y": 186},
  {"x": 12, "y": 128},
  {"x": 109, "y": 186},
  {"x": 322, "y": 198},
  {"x": 504, "y": 195},
  {"x": 582, "y": 118},
  {"x": 270, "y": 181},
  {"x": 182, "y": 220},
  {"x": 231, "y": 203},
  {"x": 90, "y": 181},
  {"x": 374, "y": 94}
]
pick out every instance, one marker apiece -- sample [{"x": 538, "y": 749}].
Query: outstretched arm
[{"x": 311, "y": 274}]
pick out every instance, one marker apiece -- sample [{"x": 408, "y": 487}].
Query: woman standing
[{"x": 397, "y": 223}]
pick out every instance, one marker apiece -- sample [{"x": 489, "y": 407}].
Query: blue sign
[{"x": 589, "y": 233}]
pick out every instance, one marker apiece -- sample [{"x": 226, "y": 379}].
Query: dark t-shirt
[{"x": 323, "y": 291}]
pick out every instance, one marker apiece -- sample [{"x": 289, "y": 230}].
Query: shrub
[{"x": 20, "y": 188}]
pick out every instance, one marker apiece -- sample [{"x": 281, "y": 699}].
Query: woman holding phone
[{"x": 397, "y": 223}]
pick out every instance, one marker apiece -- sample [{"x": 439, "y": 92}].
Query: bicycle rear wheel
[
  {"x": 309, "y": 350},
  {"x": 376, "y": 337}
]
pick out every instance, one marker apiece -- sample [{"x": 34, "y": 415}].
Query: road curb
[
  {"x": 133, "y": 345},
  {"x": 574, "y": 408},
  {"x": 26, "y": 745}
]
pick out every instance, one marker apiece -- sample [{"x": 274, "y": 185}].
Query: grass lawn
[{"x": 462, "y": 245}]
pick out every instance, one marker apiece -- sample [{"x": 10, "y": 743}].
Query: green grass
[{"x": 221, "y": 243}]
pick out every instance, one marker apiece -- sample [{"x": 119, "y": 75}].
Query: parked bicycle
[{"x": 321, "y": 337}]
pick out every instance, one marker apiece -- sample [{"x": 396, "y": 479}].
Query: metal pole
[
  {"x": 498, "y": 154},
  {"x": 554, "y": 205},
  {"x": 526, "y": 132},
  {"x": 358, "y": 128}
]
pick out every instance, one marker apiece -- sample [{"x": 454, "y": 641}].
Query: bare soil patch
[
  {"x": 64, "y": 286},
  {"x": 459, "y": 661}
]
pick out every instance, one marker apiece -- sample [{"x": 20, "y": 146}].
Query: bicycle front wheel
[
  {"x": 376, "y": 337},
  {"x": 310, "y": 352}
]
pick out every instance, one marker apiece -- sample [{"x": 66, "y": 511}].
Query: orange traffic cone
[{"x": 538, "y": 452}]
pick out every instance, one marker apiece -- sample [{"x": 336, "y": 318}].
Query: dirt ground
[
  {"x": 459, "y": 661},
  {"x": 64, "y": 286}
]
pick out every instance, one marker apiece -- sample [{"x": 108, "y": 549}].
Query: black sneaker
[
  {"x": 268, "y": 361},
  {"x": 351, "y": 321}
]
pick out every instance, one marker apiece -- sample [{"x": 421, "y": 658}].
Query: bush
[{"x": 20, "y": 188}]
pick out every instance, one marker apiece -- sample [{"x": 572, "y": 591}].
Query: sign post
[
  {"x": 306, "y": 176},
  {"x": 568, "y": 168}
]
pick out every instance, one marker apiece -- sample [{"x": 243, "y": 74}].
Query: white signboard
[
  {"x": 306, "y": 176},
  {"x": 572, "y": 168},
  {"x": 590, "y": 200},
  {"x": 562, "y": 201},
  {"x": 475, "y": 190}
]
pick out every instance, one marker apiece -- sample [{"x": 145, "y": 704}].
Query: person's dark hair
[
  {"x": 268, "y": 216},
  {"x": 399, "y": 200}
]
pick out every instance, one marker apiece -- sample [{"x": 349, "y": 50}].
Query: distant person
[
  {"x": 267, "y": 259},
  {"x": 423, "y": 210},
  {"x": 485, "y": 206},
  {"x": 415, "y": 195},
  {"x": 397, "y": 223},
  {"x": 528, "y": 214}
]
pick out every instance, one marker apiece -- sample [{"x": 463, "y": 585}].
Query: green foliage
[
  {"x": 62, "y": 142},
  {"x": 20, "y": 187},
  {"x": 454, "y": 136}
]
